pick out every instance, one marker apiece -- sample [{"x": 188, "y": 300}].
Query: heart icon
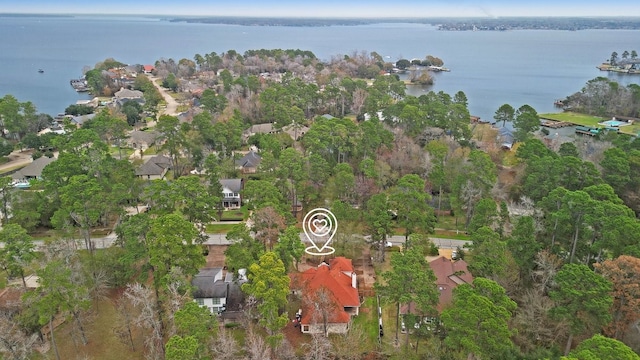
[{"x": 319, "y": 226}]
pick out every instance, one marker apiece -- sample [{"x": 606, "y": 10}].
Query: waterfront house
[
  {"x": 333, "y": 284},
  {"x": 32, "y": 171},
  {"x": 81, "y": 119}
]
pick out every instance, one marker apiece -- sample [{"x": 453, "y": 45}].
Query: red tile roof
[
  {"x": 148, "y": 68},
  {"x": 336, "y": 277}
]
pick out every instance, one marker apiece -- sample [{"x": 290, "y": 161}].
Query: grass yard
[
  {"x": 574, "y": 118},
  {"x": 219, "y": 228},
  {"x": 151, "y": 151},
  {"x": 241, "y": 214},
  {"x": 367, "y": 320},
  {"x": 588, "y": 120}
]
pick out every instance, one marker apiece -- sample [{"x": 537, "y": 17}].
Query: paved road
[
  {"x": 172, "y": 104},
  {"x": 221, "y": 239}
]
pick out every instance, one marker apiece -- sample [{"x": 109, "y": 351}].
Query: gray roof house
[
  {"x": 249, "y": 163},
  {"x": 155, "y": 168},
  {"x": 231, "y": 188},
  {"x": 266, "y": 128},
  {"x": 33, "y": 170},
  {"x": 128, "y": 94},
  {"x": 296, "y": 132},
  {"x": 80, "y": 120},
  {"x": 142, "y": 139},
  {"x": 210, "y": 290}
]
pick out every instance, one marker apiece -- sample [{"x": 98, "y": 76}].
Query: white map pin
[{"x": 319, "y": 226}]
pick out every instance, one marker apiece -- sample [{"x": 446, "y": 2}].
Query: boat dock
[
  {"x": 80, "y": 85},
  {"x": 554, "y": 124}
]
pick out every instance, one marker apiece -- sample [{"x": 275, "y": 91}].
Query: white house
[
  {"x": 231, "y": 193},
  {"x": 210, "y": 290}
]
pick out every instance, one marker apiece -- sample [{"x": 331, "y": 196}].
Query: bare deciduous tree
[
  {"x": 350, "y": 346},
  {"x": 225, "y": 347},
  {"x": 320, "y": 348},
  {"x": 547, "y": 265},
  {"x": 268, "y": 223},
  {"x": 535, "y": 327},
  {"x": 256, "y": 347},
  {"x": 14, "y": 343},
  {"x": 124, "y": 320},
  {"x": 143, "y": 299}
]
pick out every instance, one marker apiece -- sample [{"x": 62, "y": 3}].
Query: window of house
[
  {"x": 216, "y": 301},
  {"x": 200, "y": 302},
  {"x": 236, "y": 194},
  {"x": 305, "y": 328}
]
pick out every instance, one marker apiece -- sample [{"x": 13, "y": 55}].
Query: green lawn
[
  {"x": 588, "y": 120},
  {"x": 236, "y": 215},
  {"x": 574, "y": 118},
  {"x": 219, "y": 228},
  {"x": 367, "y": 320}
]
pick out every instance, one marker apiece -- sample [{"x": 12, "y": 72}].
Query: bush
[{"x": 231, "y": 325}]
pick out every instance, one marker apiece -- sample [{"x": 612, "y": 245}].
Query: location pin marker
[{"x": 319, "y": 226}]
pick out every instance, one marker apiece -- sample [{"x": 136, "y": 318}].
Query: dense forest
[{"x": 552, "y": 228}]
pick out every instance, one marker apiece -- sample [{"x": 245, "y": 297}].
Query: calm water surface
[{"x": 516, "y": 67}]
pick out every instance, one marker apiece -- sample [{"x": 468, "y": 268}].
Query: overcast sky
[{"x": 330, "y": 8}]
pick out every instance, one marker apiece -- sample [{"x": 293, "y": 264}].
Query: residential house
[
  {"x": 123, "y": 95},
  {"x": 148, "y": 69},
  {"x": 32, "y": 171},
  {"x": 154, "y": 168},
  {"x": 266, "y": 128},
  {"x": 506, "y": 138},
  {"x": 231, "y": 188},
  {"x": 295, "y": 131},
  {"x": 142, "y": 140},
  {"x": 449, "y": 274},
  {"x": 94, "y": 103},
  {"x": 249, "y": 163},
  {"x": 210, "y": 290},
  {"x": 81, "y": 119},
  {"x": 335, "y": 286}
]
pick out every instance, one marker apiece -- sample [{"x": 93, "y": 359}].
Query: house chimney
[{"x": 354, "y": 281}]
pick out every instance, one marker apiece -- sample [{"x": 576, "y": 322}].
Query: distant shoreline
[{"x": 441, "y": 23}]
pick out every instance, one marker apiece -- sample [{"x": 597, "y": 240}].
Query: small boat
[{"x": 40, "y": 71}]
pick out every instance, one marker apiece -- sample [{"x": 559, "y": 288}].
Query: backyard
[{"x": 588, "y": 120}]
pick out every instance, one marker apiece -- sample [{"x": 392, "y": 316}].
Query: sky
[{"x": 329, "y": 8}]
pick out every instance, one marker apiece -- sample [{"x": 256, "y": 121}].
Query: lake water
[{"x": 532, "y": 67}]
